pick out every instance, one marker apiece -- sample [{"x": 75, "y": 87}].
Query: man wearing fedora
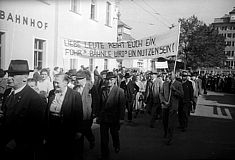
[
  {"x": 23, "y": 115},
  {"x": 130, "y": 89},
  {"x": 111, "y": 113}
]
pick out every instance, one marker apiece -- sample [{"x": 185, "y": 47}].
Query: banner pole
[
  {"x": 175, "y": 59},
  {"x": 177, "y": 47}
]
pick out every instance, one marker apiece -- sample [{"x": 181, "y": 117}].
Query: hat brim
[
  {"x": 127, "y": 76},
  {"x": 80, "y": 77},
  {"x": 110, "y": 77},
  {"x": 17, "y": 72}
]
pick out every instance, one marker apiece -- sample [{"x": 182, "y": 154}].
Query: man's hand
[{"x": 173, "y": 88}]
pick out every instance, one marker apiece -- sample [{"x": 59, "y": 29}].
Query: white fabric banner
[{"x": 163, "y": 45}]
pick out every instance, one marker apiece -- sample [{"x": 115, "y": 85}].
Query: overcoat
[
  {"x": 71, "y": 111},
  {"x": 112, "y": 108},
  {"x": 23, "y": 117}
]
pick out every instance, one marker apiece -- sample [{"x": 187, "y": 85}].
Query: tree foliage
[{"x": 200, "y": 45}]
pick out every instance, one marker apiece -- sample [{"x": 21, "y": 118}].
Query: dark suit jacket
[
  {"x": 71, "y": 111},
  {"x": 148, "y": 95},
  {"x": 113, "y": 108},
  {"x": 130, "y": 89},
  {"x": 23, "y": 118},
  {"x": 188, "y": 91},
  {"x": 176, "y": 95}
]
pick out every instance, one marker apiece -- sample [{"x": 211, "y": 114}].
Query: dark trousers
[
  {"x": 155, "y": 113},
  {"x": 104, "y": 133},
  {"x": 183, "y": 114},
  {"x": 129, "y": 106},
  {"x": 86, "y": 130},
  {"x": 22, "y": 151},
  {"x": 172, "y": 120},
  {"x": 195, "y": 102},
  {"x": 165, "y": 116},
  {"x": 61, "y": 143}
]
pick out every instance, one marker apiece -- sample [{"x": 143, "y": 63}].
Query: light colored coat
[
  {"x": 156, "y": 87},
  {"x": 198, "y": 87}
]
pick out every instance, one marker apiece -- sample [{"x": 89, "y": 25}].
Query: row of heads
[
  {"x": 81, "y": 74},
  {"x": 17, "y": 67}
]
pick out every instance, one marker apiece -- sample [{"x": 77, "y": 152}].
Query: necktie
[
  {"x": 170, "y": 85},
  {"x": 11, "y": 98}
]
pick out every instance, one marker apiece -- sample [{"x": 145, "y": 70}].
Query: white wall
[
  {"x": 79, "y": 26},
  {"x": 19, "y": 37}
]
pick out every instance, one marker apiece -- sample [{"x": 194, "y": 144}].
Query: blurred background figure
[{"x": 45, "y": 85}]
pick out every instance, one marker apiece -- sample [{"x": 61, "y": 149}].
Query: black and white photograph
[{"x": 117, "y": 79}]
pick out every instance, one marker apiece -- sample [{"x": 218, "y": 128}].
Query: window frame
[
  {"x": 39, "y": 52},
  {"x": 105, "y": 64},
  {"x": 93, "y": 6},
  {"x": 108, "y": 14},
  {"x": 75, "y": 6},
  {"x": 91, "y": 64}
]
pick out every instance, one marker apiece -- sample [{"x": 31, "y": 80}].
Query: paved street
[{"x": 211, "y": 134}]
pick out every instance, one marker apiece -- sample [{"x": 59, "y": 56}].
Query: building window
[
  {"x": 39, "y": 49},
  {"x": 93, "y": 9},
  {"x": 228, "y": 53},
  {"x": 75, "y": 6},
  {"x": 73, "y": 63},
  {"x": 108, "y": 13},
  {"x": 1, "y": 47},
  {"x": 232, "y": 43},
  {"x": 91, "y": 64},
  {"x": 233, "y": 35},
  {"x": 228, "y": 43},
  {"x": 105, "y": 63},
  {"x": 229, "y": 35},
  {"x": 232, "y": 54}
]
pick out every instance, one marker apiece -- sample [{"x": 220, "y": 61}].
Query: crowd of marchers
[
  {"x": 49, "y": 116},
  {"x": 219, "y": 82}
]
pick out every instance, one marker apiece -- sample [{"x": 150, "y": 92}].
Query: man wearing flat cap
[
  {"x": 23, "y": 114},
  {"x": 111, "y": 114},
  {"x": 90, "y": 101},
  {"x": 187, "y": 100}
]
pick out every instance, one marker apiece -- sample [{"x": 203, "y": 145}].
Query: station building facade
[
  {"x": 34, "y": 30},
  {"x": 226, "y": 27}
]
